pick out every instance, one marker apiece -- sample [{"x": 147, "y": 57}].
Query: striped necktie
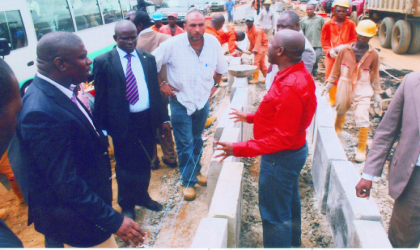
[{"x": 132, "y": 91}]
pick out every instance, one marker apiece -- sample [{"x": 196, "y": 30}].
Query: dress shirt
[
  {"x": 192, "y": 75},
  {"x": 311, "y": 28},
  {"x": 69, "y": 94},
  {"x": 143, "y": 102},
  {"x": 267, "y": 19},
  {"x": 283, "y": 116}
]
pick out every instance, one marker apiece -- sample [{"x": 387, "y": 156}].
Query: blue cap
[{"x": 157, "y": 16}]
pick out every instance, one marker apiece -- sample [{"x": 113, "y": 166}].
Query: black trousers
[{"x": 133, "y": 163}]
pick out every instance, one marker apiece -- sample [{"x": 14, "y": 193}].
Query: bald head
[
  {"x": 56, "y": 44},
  {"x": 195, "y": 14},
  {"x": 288, "y": 20},
  {"x": 124, "y": 25},
  {"x": 291, "y": 43}
]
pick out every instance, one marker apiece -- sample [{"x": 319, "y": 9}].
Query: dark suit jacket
[
  {"x": 111, "y": 106},
  {"x": 64, "y": 169},
  {"x": 403, "y": 115}
]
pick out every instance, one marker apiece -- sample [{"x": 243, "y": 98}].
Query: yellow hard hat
[
  {"x": 366, "y": 28},
  {"x": 268, "y": 2},
  {"x": 342, "y": 3}
]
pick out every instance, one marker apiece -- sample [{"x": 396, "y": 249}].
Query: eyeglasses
[{"x": 128, "y": 39}]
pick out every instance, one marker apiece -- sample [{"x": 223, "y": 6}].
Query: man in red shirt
[
  {"x": 172, "y": 29},
  {"x": 280, "y": 137}
]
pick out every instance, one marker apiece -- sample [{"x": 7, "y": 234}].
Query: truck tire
[
  {"x": 401, "y": 36},
  {"x": 415, "y": 38},
  {"x": 353, "y": 17},
  {"x": 385, "y": 32}
]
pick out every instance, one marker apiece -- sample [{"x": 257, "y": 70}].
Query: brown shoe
[
  {"x": 202, "y": 180},
  {"x": 3, "y": 214},
  {"x": 189, "y": 193}
]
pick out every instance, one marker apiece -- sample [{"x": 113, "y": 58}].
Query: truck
[{"x": 399, "y": 23}]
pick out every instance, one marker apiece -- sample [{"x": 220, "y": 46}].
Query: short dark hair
[
  {"x": 6, "y": 79},
  {"x": 142, "y": 18},
  {"x": 293, "y": 16},
  {"x": 56, "y": 44},
  {"x": 313, "y": 5}
]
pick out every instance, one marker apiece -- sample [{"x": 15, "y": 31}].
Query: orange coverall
[
  {"x": 6, "y": 169},
  {"x": 166, "y": 30},
  {"x": 212, "y": 31},
  {"x": 155, "y": 29},
  {"x": 331, "y": 37},
  {"x": 258, "y": 42},
  {"x": 228, "y": 35}
]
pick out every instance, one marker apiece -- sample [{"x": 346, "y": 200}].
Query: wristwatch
[{"x": 216, "y": 84}]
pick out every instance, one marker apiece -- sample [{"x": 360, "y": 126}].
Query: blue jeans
[
  {"x": 279, "y": 200},
  {"x": 230, "y": 16},
  {"x": 187, "y": 131}
]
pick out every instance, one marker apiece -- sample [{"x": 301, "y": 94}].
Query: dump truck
[{"x": 399, "y": 26}]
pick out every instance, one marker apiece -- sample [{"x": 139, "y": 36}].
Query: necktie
[{"x": 132, "y": 91}]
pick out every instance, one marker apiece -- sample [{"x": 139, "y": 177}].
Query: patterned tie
[{"x": 132, "y": 91}]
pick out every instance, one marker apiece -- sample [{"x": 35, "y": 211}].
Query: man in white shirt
[
  {"x": 195, "y": 65},
  {"x": 267, "y": 20},
  {"x": 402, "y": 117}
]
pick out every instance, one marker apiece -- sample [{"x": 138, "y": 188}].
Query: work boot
[
  {"x": 17, "y": 191},
  {"x": 189, "y": 193},
  {"x": 3, "y": 214},
  {"x": 361, "y": 149},
  {"x": 256, "y": 76},
  {"x": 339, "y": 123},
  {"x": 210, "y": 121},
  {"x": 202, "y": 180},
  {"x": 263, "y": 80},
  {"x": 333, "y": 93}
]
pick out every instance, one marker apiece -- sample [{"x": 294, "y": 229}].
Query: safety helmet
[
  {"x": 268, "y": 2},
  {"x": 366, "y": 28},
  {"x": 342, "y": 3},
  {"x": 157, "y": 16}
]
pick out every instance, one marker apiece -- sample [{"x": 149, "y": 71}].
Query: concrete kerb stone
[
  {"x": 370, "y": 234},
  {"x": 213, "y": 172},
  {"x": 227, "y": 200},
  {"x": 344, "y": 207},
  {"x": 211, "y": 233},
  {"x": 238, "y": 102},
  {"x": 327, "y": 150}
]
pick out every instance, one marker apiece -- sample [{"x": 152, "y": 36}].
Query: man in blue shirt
[{"x": 230, "y": 7}]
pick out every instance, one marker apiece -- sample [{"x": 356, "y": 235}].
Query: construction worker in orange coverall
[
  {"x": 258, "y": 45},
  {"x": 336, "y": 33},
  {"x": 230, "y": 36}
]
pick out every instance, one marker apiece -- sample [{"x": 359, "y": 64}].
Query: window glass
[
  {"x": 86, "y": 13},
  {"x": 50, "y": 15},
  {"x": 125, "y": 6},
  {"x": 11, "y": 28},
  {"x": 111, "y": 10}
]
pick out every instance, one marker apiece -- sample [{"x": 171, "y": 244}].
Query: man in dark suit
[
  {"x": 129, "y": 107},
  {"x": 62, "y": 154},
  {"x": 10, "y": 104}
]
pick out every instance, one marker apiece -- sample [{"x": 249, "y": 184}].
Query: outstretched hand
[
  {"x": 363, "y": 188},
  {"x": 130, "y": 231},
  {"x": 238, "y": 115},
  {"x": 227, "y": 148}
]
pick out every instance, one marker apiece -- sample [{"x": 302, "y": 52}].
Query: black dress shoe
[
  {"x": 129, "y": 213},
  {"x": 152, "y": 205},
  {"x": 171, "y": 165}
]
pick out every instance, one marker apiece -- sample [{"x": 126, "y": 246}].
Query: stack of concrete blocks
[
  {"x": 224, "y": 180},
  {"x": 354, "y": 222}
]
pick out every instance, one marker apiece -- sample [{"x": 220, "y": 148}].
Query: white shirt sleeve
[
  {"x": 222, "y": 66},
  {"x": 367, "y": 177},
  {"x": 161, "y": 55}
]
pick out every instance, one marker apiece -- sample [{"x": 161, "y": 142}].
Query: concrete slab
[
  {"x": 213, "y": 172},
  {"x": 327, "y": 150},
  {"x": 238, "y": 102},
  {"x": 211, "y": 233},
  {"x": 344, "y": 207},
  {"x": 227, "y": 200},
  {"x": 370, "y": 234},
  {"x": 324, "y": 115}
]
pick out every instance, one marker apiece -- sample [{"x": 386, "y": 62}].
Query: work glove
[
  {"x": 378, "y": 101},
  {"x": 326, "y": 89},
  {"x": 333, "y": 53},
  {"x": 339, "y": 47}
]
